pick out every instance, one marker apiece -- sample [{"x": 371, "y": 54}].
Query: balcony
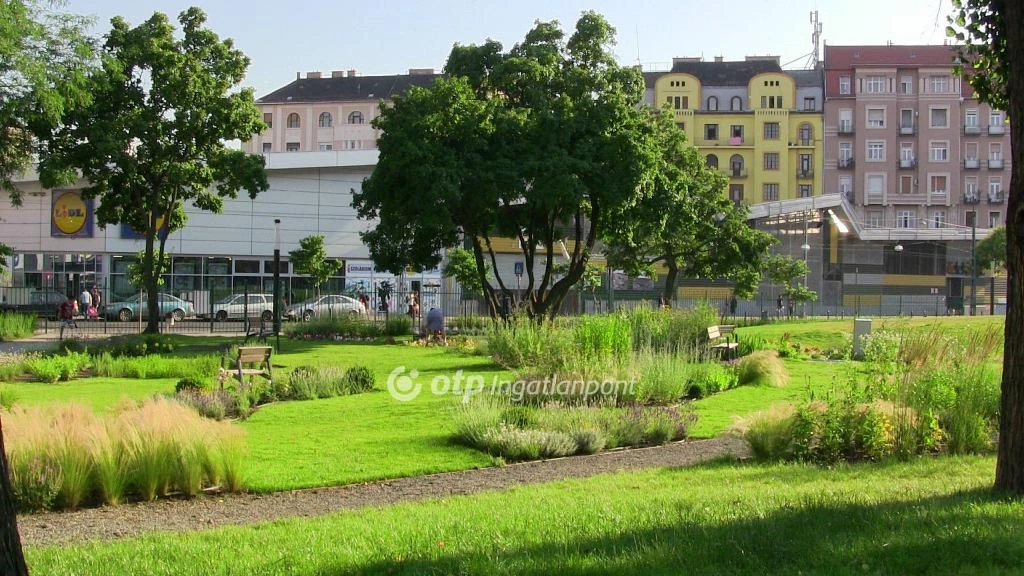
[
  {"x": 846, "y": 127},
  {"x": 735, "y": 172},
  {"x": 907, "y": 130},
  {"x": 996, "y": 197},
  {"x": 996, "y": 129},
  {"x": 805, "y": 142},
  {"x": 906, "y": 163},
  {"x": 972, "y": 130},
  {"x": 874, "y": 198},
  {"x": 972, "y": 163},
  {"x": 736, "y": 141},
  {"x": 995, "y": 163},
  {"x": 846, "y": 163},
  {"x": 805, "y": 172},
  {"x": 971, "y": 198}
]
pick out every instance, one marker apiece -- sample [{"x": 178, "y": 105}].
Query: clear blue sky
[{"x": 390, "y": 36}]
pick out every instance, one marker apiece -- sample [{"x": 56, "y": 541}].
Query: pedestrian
[
  {"x": 778, "y": 305},
  {"x": 85, "y": 301},
  {"x": 66, "y": 314},
  {"x": 95, "y": 292},
  {"x": 435, "y": 325},
  {"x": 790, "y": 302},
  {"x": 732, "y": 306}
]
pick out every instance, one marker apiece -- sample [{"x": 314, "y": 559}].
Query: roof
[
  {"x": 346, "y": 88},
  {"x": 736, "y": 73},
  {"x": 807, "y": 78},
  {"x": 847, "y": 57}
]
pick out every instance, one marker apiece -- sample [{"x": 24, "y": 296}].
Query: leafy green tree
[
  {"x": 44, "y": 57},
  {"x": 462, "y": 267},
  {"x": 155, "y": 134},
  {"x": 992, "y": 32},
  {"x": 310, "y": 258},
  {"x": 685, "y": 221},
  {"x": 544, "y": 143},
  {"x": 787, "y": 272},
  {"x": 991, "y": 252},
  {"x": 137, "y": 276}
]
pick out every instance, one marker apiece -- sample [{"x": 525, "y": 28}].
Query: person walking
[
  {"x": 85, "y": 302},
  {"x": 66, "y": 314}
]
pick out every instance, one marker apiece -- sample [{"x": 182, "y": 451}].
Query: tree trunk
[
  {"x": 12, "y": 561},
  {"x": 1010, "y": 463},
  {"x": 669, "y": 291}
]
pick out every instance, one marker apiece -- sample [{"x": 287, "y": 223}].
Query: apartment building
[{"x": 921, "y": 162}]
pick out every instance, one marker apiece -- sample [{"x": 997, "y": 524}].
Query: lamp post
[
  {"x": 277, "y": 281},
  {"x": 806, "y": 248},
  {"x": 899, "y": 251},
  {"x": 974, "y": 264}
]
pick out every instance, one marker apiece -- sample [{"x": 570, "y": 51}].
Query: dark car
[{"x": 42, "y": 303}]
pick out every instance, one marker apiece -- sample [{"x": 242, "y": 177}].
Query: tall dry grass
[{"x": 152, "y": 449}]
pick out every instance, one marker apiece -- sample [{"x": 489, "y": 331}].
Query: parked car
[
  {"x": 329, "y": 305},
  {"x": 234, "y": 306},
  {"x": 42, "y": 303},
  {"x": 129, "y": 308}
]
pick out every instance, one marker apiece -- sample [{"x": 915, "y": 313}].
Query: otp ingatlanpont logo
[{"x": 403, "y": 387}]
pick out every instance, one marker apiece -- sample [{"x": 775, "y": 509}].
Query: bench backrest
[
  {"x": 714, "y": 332},
  {"x": 727, "y": 328},
  {"x": 252, "y": 354}
]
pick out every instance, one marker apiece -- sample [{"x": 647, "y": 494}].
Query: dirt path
[{"x": 109, "y": 523}]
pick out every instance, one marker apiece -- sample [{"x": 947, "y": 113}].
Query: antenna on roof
[{"x": 815, "y": 59}]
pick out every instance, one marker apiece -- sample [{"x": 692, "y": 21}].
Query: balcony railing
[
  {"x": 805, "y": 142},
  {"x": 971, "y": 198},
  {"x": 995, "y": 163},
  {"x": 846, "y": 163},
  {"x": 972, "y": 163},
  {"x": 874, "y": 198},
  {"x": 907, "y": 163},
  {"x": 996, "y": 129},
  {"x": 972, "y": 130},
  {"x": 735, "y": 172},
  {"x": 907, "y": 130},
  {"x": 736, "y": 141},
  {"x": 805, "y": 172},
  {"x": 846, "y": 127},
  {"x": 996, "y": 197}
]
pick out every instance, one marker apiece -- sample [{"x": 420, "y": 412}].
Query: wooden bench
[
  {"x": 252, "y": 361},
  {"x": 729, "y": 348},
  {"x": 265, "y": 329}
]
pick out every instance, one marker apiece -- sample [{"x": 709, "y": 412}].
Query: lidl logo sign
[{"x": 71, "y": 214}]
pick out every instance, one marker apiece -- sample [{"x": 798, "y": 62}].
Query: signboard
[
  {"x": 129, "y": 233},
  {"x": 359, "y": 268},
  {"x": 70, "y": 215},
  {"x": 519, "y": 268}
]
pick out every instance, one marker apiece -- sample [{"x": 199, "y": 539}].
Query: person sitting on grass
[{"x": 435, "y": 326}]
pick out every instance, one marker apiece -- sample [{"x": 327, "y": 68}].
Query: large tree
[
  {"x": 155, "y": 135},
  {"x": 545, "y": 144},
  {"x": 44, "y": 56},
  {"x": 993, "y": 33},
  {"x": 684, "y": 221},
  {"x": 990, "y": 253}
]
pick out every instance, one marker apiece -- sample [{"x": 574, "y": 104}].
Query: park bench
[
  {"x": 716, "y": 334},
  {"x": 259, "y": 333},
  {"x": 251, "y": 361}
]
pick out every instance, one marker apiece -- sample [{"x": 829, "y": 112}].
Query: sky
[{"x": 391, "y": 36}]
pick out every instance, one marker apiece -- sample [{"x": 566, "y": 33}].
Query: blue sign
[{"x": 519, "y": 268}]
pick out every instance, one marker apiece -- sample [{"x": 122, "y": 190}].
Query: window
[
  {"x": 906, "y": 85},
  {"x": 938, "y": 117},
  {"x": 805, "y": 163},
  {"x": 874, "y": 84},
  {"x": 970, "y": 218},
  {"x": 846, "y": 121},
  {"x": 711, "y": 131},
  {"x": 907, "y": 152},
  {"x": 352, "y": 145},
  {"x": 876, "y": 150},
  {"x": 771, "y": 130},
  {"x": 845, "y": 151},
  {"x": 806, "y": 134},
  {"x": 905, "y": 219},
  {"x": 769, "y": 192},
  {"x": 736, "y": 104},
  {"x": 677, "y": 102},
  {"x": 844, "y": 85},
  {"x": 906, "y": 185},
  {"x": 971, "y": 187},
  {"x": 712, "y": 103},
  {"x": 771, "y": 160},
  {"x": 845, "y": 185},
  {"x": 995, "y": 151},
  {"x": 266, "y": 147},
  {"x": 875, "y": 219},
  {"x": 994, "y": 219},
  {"x": 937, "y": 184},
  {"x": 938, "y": 151},
  {"x": 805, "y": 191},
  {"x": 291, "y": 147},
  {"x": 355, "y": 117},
  {"x": 938, "y": 84},
  {"x": 324, "y": 147},
  {"x": 876, "y": 117},
  {"x": 247, "y": 266},
  {"x": 712, "y": 161},
  {"x": 326, "y": 121},
  {"x": 736, "y": 165},
  {"x": 736, "y": 193},
  {"x": 736, "y": 131},
  {"x": 810, "y": 103},
  {"x": 995, "y": 187},
  {"x": 971, "y": 119},
  {"x": 971, "y": 150},
  {"x": 938, "y": 219},
  {"x": 268, "y": 119},
  {"x": 875, "y": 184},
  {"x": 995, "y": 119},
  {"x": 293, "y": 121}
]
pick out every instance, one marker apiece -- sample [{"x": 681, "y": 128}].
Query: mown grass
[
  {"x": 930, "y": 516},
  {"x": 98, "y": 393}
]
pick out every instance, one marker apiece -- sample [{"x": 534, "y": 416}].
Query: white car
[
  {"x": 259, "y": 306},
  {"x": 329, "y": 305}
]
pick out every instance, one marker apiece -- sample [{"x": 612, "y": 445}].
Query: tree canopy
[
  {"x": 544, "y": 143},
  {"x": 310, "y": 258},
  {"x": 786, "y": 271},
  {"x": 684, "y": 221},
  {"x": 153, "y": 136},
  {"x": 990, "y": 253}
]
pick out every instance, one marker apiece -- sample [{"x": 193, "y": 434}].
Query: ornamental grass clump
[{"x": 762, "y": 368}]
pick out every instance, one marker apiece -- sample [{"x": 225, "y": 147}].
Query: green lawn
[
  {"x": 932, "y": 516},
  {"x": 100, "y": 393}
]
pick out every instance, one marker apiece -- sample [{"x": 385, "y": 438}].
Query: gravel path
[{"x": 124, "y": 521}]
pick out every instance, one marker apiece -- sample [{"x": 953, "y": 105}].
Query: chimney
[
  {"x": 298, "y": 75},
  {"x": 718, "y": 59},
  {"x": 312, "y": 75},
  {"x": 421, "y": 71},
  {"x": 352, "y": 72},
  {"x": 337, "y": 73}
]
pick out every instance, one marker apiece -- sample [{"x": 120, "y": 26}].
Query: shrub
[
  {"x": 709, "y": 378},
  {"x": 13, "y": 365},
  {"x": 661, "y": 378},
  {"x": 603, "y": 337},
  {"x": 309, "y": 382},
  {"x": 7, "y": 397},
  {"x": 769, "y": 433},
  {"x": 514, "y": 444},
  {"x": 358, "y": 379},
  {"x": 155, "y": 366},
  {"x": 761, "y": 368},
  {"x": 398, "y": 325},
  {"x": 589, "y": 440},
  {"x": 475, "y": 418},
  {"x": 330, "y": 327},
  {"x": 751, "y": 344},
  {"x": 35, "y": 480},
  {"x": 640, "y": 425},
  {"x": 557, "y": 445},
  {"x": 214, "y": 404},
  {"x": 15, "y": 325},
  {"x": 192, "y": 384}
]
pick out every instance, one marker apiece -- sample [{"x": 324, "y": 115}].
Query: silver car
[
  {"x": 329, "y": 305},
  {"x": 236, "y": 306}
]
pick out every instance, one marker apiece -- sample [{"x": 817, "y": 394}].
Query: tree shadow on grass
[{"x": 949, "y": 534}]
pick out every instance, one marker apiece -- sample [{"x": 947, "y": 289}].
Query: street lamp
[
  {"x": 277, "y": 281},
  {"x": 806, "y": 248},
  {"x": 899, "y": 251}
]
